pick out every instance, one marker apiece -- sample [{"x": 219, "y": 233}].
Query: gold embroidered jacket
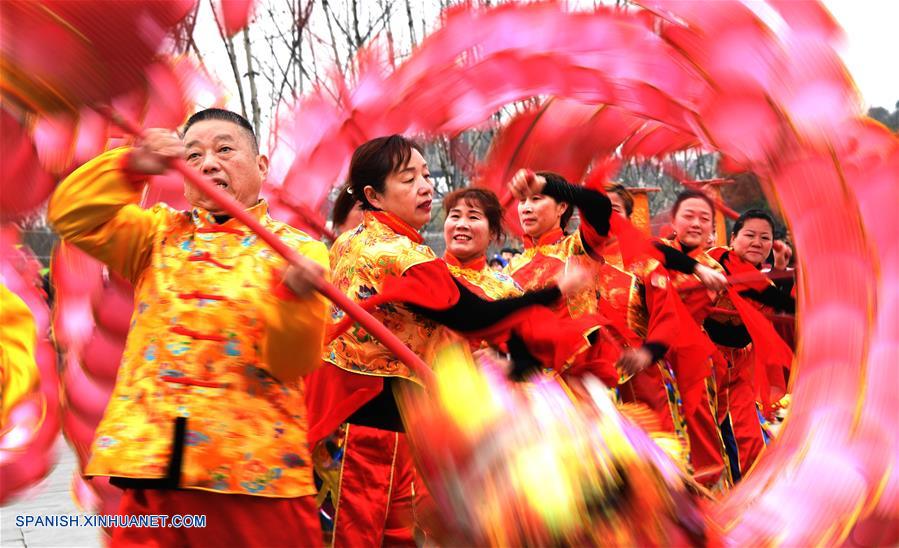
[
  {"x": 211, "y": 343},
  {"x": 362, "y": 259}
]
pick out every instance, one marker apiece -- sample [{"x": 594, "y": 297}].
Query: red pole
[
  {"x": 692, "y": 285},
  {"x": 236, "y": 210}
]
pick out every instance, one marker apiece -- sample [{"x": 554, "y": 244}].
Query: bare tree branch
[
  {"x": 343, "y": 30},
  {"x": 183, "y": 33},
  {"x": 382, "y": 20},
  {"x": 328, "y": 18},
  {"x": 356, "y": 34},
  {"x": 232, "y": 58},
  {"x": 411, "y": 25},
  {"x": 251, "y": 76}
]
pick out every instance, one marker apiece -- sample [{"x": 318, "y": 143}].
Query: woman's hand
[
  {"x": 526, "y": 183},
  {"x": 710, "y": 278},
  {"x": 634, "y": 360},
  {"x": 303, "y": 277},
  {"x": 573, "y": 280},
  {"x": 782, "y": 255},
  {"x": 491, "y": 356}
]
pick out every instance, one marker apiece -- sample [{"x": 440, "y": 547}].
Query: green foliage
[{"x": 885, "y": 117}]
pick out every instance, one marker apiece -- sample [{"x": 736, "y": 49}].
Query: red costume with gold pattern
[
  {"x": 374, "y": 498},
  {"x": 740, "y": 387},
  {"x": 382, "y": 263},
  {"x": 481, "y": 279},
  {"x": 546, "y": 258},
  {"x": 697, "y": 381},
  {"x": 642, "y": 296}
]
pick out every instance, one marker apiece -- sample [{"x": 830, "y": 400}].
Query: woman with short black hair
[{"x": 752, "y": 240}]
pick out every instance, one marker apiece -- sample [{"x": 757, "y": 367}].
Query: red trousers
[
  {"x": 737, "y": 403},
  {"x": 707, "y": 454},
  {"x": 375, "y": 499},
  {"x": 706, "y": 447},
  {"x": 231, "y": 520},
  {"x": 648, "y": 387}
]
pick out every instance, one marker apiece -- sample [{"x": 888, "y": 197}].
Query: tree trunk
[
  {"x": 411, "y": 25},
  {"x": 251, "y": 76},
  {"x": 232, "y": 59}
]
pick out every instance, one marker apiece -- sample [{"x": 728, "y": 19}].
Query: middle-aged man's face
[{"x": 224, "y": 152}]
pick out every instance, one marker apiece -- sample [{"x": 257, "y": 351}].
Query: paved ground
[{"x": 50, "y": 497}]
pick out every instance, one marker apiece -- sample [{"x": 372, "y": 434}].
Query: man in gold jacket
[{"x": 208, "y": 414}]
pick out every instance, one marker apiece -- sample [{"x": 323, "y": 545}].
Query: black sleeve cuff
[
  {"x": 658, "y": 350},
  {"x": 774, "y": 297},
  {"x": 676, "y": 260},
  {"x": 524, "y": 364},
  {"x": 729, "y": 335},
  {"x": 595, "y": 207},
  {"x": 472, "y": 313}
]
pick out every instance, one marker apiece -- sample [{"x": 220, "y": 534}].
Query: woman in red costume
[
  {"x": 473, "y": 221},
  {"x": 692, "y": 219},
  {"x": 738, "y": 388},
  {"x": 640, "y": 293},
  {"x": 390, "y": 178},
  {"x": 546, "y": 204}
]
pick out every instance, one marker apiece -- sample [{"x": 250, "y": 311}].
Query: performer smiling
[
  {"x": 380, "y": 262},
  {"x": 473, "y": 221}
]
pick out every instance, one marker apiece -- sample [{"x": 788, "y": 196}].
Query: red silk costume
[
  {"x": 381, "y": 264},
  {"x": 697, "y": 381},
  {"x": 750, "y": 377},
  {"x": 373, "y": 501},
  {"x": 643, "y": 297}
]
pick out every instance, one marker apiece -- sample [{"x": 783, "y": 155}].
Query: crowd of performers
[{"x": 238, "y": 378}]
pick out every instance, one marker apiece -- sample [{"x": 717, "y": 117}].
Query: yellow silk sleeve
[
  {"x": 96, "y": 208},
  {"x": 19, "y": 375},
  {"x": 295, "y": 326}
]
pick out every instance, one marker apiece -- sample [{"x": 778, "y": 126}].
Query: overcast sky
[{"x": 871, "y": 48}]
